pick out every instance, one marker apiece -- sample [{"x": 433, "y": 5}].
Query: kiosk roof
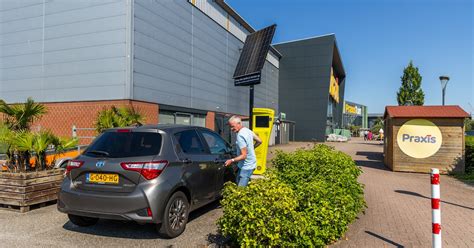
[{"x": 425, "y": 111}]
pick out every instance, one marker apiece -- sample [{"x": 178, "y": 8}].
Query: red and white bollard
[{"x": 435, "y": 208}]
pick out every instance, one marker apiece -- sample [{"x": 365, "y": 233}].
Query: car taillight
[
  {"x": 73, "y": 164},
  {"x": 148, "y": 212},
  {"x": 149, "y": 170}
]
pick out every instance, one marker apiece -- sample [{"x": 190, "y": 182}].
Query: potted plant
[{"x": 30, "y": 177}]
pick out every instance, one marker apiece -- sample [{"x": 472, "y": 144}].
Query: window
[
  {"x": 199, "y": 120},
  {"x": 121, "y": 145},
  {"x": 166, "y": 117},
  {"x": 216, "y": 144},
  {"x": 170, "y": 117},
  {"x": 189, "y": 142}
]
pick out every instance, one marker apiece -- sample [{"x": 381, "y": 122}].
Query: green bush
[
  {"x": 469, "y": 154},
  {"x": 327, "y": 184},
  {"x": 262, "y": 214},
  {"x": 308, "y": 200}
]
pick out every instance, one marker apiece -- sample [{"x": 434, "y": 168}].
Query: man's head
[{"x": 235, "y": 124}]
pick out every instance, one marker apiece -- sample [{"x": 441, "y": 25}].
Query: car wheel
[
  {"x": 82, "y": 220},
  {"x": 175, "y": 216}
]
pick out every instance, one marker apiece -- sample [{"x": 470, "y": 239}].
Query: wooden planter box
[{"x": 22, "y": 190}]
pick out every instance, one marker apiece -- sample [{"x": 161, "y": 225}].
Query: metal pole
[
  {"x": 251, "y": 106},
  {"x": 435, "y": 208},
  {"x": 444, "y": 91}
]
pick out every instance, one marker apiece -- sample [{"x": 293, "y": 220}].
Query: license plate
[{"x": 102, "y": 178}]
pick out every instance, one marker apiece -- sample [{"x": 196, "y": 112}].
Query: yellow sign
[
  {"x": 419, "y": 138},
  {"x": 351, "y": 109},
  {"x": 262, "y": 127},
  {"x": 334, "y": 87}
]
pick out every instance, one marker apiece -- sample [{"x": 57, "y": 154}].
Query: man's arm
[
  {"x": 242, "y": 156},
  {"x": 257, "y": 139}
]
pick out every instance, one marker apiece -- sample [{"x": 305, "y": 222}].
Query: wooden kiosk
[{"x": 418, "y": 138}]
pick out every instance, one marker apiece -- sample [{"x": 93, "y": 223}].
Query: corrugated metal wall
[
  {"x": 78, "y": 50},
  {"x": 184, "y": 58},
  {"x": 305, "y": 70},
  {"x": 62, "y": 50}
]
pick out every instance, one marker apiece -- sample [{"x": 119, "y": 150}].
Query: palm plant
[
  {"x": 41, "y": 142},
  {"x": 118, "y": 117},
  {"x": 61, "y": 145},
  {"x": 21, "y": 116},
  {"x": 6, "y": 136},
  {"x": 18, "y": 119},
  {"x": 22, "y": 142},
  {"x": 37, "y": 144}
]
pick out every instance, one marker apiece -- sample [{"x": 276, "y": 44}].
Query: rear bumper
[{"x": 118, "y": 206}]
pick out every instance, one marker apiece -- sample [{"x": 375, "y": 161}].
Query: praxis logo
[{"x": 419, "y": 139}]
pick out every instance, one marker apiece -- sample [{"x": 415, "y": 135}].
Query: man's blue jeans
[{"x": 243, "y": 177}]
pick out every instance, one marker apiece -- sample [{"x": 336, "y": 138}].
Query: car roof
[{"x": 163, "y": 127}]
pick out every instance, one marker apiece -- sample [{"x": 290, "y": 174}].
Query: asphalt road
[{"x": 46, "y": 227}]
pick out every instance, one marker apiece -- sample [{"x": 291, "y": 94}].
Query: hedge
[
  {"x": 469, "y": 154},
  {"x": 308, "y": 200}
]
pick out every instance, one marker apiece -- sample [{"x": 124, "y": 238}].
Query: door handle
[
  {"x": 219, "y": 161},
  {"x": 187, "y": 161}
]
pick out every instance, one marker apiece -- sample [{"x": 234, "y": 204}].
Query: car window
[
  {"x": 216, "y": 144},
  {"x": 189, "y": 142},
  {"x": 128, "y": 144}
]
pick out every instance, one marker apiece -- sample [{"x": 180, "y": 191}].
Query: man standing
[{"x": 247, "y": 162}]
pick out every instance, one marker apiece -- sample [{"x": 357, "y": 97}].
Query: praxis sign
[{"x": 419, "y": 138}]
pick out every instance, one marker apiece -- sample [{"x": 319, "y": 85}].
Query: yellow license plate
[{"x": 102, "y": 178}]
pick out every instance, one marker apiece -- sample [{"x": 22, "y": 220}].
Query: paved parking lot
[
  {"x": 46, "y": 227},
  {"x": 398, "y": 215}
]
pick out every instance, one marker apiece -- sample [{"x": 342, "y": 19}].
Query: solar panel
[{"x": 253, "y": 56}]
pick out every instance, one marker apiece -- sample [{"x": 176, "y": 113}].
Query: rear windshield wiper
[{"x": 104, "y": 153}]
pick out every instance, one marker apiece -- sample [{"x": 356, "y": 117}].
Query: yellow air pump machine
[{"x": 262, "y": 124}]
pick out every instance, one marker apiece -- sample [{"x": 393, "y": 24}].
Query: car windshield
[{"x": 128, "y": 144}]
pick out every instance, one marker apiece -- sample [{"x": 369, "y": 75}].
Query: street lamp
[{"x": 444, "y": 81}]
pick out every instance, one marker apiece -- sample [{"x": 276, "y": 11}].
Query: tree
[
  {"x": 118, "y": 117},
  {"x": 468, "y": 124},
  {"x": 410, "y": 93},
  {"x": 377, "y": 125}
]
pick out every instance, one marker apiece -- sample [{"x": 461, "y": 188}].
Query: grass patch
[{"x": 466, "y": 177}]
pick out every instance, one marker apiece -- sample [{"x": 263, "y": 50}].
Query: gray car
[{"x": 149, "y": 174}]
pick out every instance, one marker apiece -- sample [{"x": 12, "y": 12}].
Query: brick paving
[{"x": 399, "y": 206}]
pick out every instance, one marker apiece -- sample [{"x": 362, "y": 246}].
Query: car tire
[
  {"x": 82, "y": 220},
  {"x": 175, "y": 216}
]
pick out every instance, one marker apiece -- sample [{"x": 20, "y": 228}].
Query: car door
[
  {"x": 196, "y": 165},
  {"x": 220, "y": 151}
]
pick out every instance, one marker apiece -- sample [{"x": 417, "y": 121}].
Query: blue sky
[{"x": 377, "y": 39}]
